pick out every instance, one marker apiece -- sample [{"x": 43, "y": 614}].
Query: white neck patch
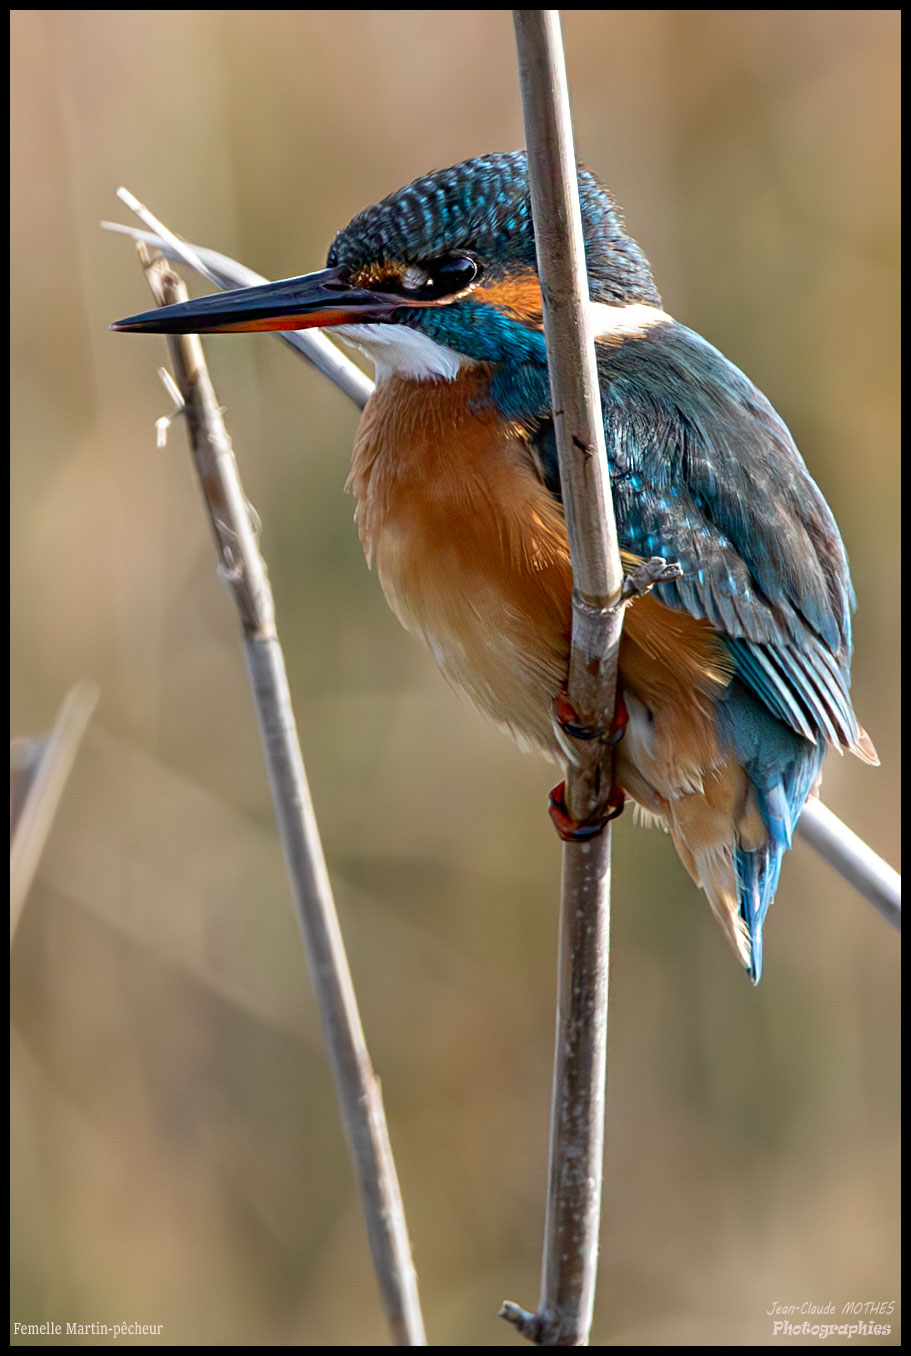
[
  {"x": 620, "y": 322},
  {"x": 398, "y": 350}
]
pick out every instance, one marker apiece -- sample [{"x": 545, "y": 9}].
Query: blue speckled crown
[{"x": 483, "y": 205}]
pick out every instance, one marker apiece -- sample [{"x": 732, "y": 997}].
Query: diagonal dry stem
[{"x": 242, "y": 567}]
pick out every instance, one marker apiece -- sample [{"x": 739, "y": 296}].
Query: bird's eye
[
  {"x": 453, "y": 274},
  {"x": 430, "y": 280},
  {"x": 435, "y": 279}
]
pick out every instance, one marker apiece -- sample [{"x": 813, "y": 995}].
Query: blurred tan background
[{"x": 177, "y": 1156}]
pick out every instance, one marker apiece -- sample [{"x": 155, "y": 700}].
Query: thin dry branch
[
  {"x": 243, "y": 569},
  {"x": 572, "y": 1223},
  {"x": 39, "y": 771},
  {"x": 852, "y": 859}
]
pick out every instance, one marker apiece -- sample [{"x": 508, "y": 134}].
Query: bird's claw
[
  {"x": 581, "y": 831},
  {"x": 567, "y": 718}
]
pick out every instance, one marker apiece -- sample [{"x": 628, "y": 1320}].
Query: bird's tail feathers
[
  {"x": 863, "y": 748},
  {"x": 716, "y": 874},
  {"x": 781, "y": 800},
  {"x": 738, "y": 865}
]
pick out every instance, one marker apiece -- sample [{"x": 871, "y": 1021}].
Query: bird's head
[{"x": 438, "y": 274}]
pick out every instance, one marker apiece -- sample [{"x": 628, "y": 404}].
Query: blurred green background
[{"x": 177, "y": 1155}]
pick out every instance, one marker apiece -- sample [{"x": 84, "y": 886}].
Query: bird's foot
[
  {"x": 568, "y": 720},
  {"x": 582, "y": 831},
  {"x": 646, "y": 574}
]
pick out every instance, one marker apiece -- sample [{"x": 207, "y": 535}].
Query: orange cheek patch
[{"x": 519, "y": 296}]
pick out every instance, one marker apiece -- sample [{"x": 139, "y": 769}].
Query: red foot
[
  {"x": 576, "y": 831},
  {"x": 567, "y": 718}
]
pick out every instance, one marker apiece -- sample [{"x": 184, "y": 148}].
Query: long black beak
[{"x": 316, "y": 300}]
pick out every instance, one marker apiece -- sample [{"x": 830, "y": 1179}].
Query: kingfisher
[{"x": 734, "y": 677}]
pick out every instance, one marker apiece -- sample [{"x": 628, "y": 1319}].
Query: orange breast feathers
[
  {"x": 471, "y": 551},
  {"x": 469, "y": 546}
]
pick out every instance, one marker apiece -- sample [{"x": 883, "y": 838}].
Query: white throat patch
[{"x": 398, "y": 350}]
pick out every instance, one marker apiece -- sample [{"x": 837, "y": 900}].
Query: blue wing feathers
[
  {"x": 705, "y": 472},
  {"x": 756, "y": 668}
]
